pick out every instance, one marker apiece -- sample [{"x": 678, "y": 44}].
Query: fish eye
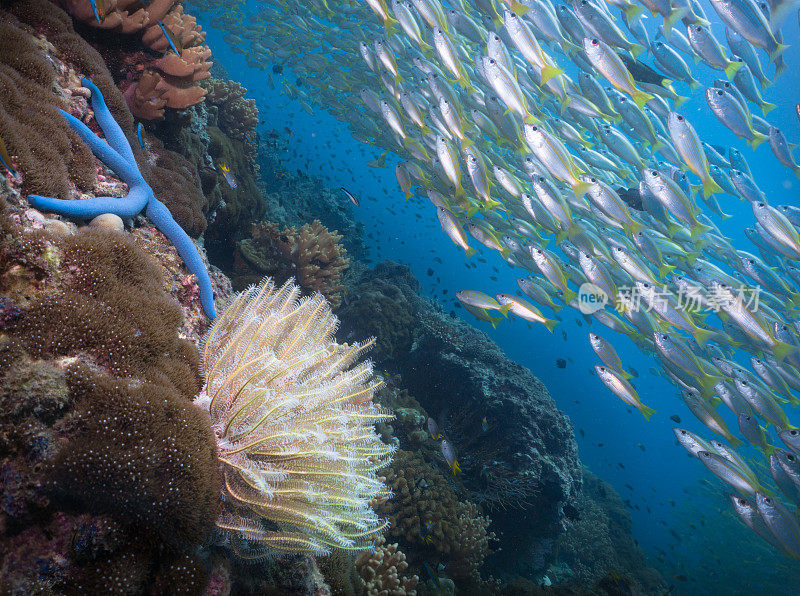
[
  {"x": 594, "y": 41},
  {"x": 698, "y": 28},
  {"x": 683, "y": 432},
  {"x": 768, "y": 500},
  {"x": 535, "y": 128},
  {"x": 654, "y": 173},
  {"x": 794, "y": 432},
  {"x": 790, "y": 457},
  {"x": 491, "y": 61},
  {"x": 720, "y": 92},
  {"x": 665, "y": 337},
  {"x": 680, "y": 118}
]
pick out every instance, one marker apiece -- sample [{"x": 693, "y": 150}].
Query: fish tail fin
[
  {"x": 701, "y": 336},
  {"x": 767, "y": 107},
  {"x": 491, "y": 204},
  {"x": 633, "y": 12},
  {"x": 636, "y": 49},
  {"x": 672, "y": 18},
  {"x": 390, "y": 26},
  {"x": 699, "y": 229},
  {"x": 531, "y": 119},
  {"x": 710, "y": 187},
  {"x": 504, "y": 308},
  {"x": 781, "y": 350},
  {"x": 519, "y": 8},
  {"x": 494, "y": 322},
  {"x": 640, "y": 98},
  {"x": 548, "y": 72},
  {"x": 633, "y": 228},
  {"x": 780, "y": 48},
  {"x": 561, "y": 235},
  {"x": 768, "y": 449},
  {"x": 550, "y": 324},
  {"x": 647, "y": 411},
  {"x": 470, "y": 251},
  {"x": 796, "y": 171},
  {"x": 732, "y": 69},
  {"x": 694, "y": 84},
  {"x": 734, "y": 441},
  {"x": 664, "y": 269},
  {"x": 505, "y": 252},
  {"x": 779, "y": 70},
  {"x": 580, "y": 188},
  {"x": 456, "y": 467},
  {"x": 758, "y": 138},
  {"x": 680, "y": 100},
  {"x": 569, "y": 295}
]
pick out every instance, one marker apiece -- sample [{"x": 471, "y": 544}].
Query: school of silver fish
[{"x": 551, "y": 133}]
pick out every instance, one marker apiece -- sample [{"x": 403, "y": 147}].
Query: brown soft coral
[
  {"x": 95, "y": 402},
  {"x": 237, "y": 115},
  {"x": 42, "y": 147},
  {"x": 382, "y": 571},
  {"x": 312, "y": 255},
  {"x": 426, "y": 512},
  {"x": 176, "y": 182}
]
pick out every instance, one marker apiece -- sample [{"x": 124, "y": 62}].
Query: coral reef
[
  {"x": 382, "y": 569},
  {"x": 237, "y": 114},
  {"x": 311, "y": 255},
  {"x": 524, "y": 467},
  {"x": 109, "y": 472},
  {"x": 293, "y": 424},
  {"x": 165, "y": 72},
  {"x": 599, "y": 541},
  {"x": 46, "y": 153},
  {"x": 175, "y": 179},
  {"x": 425, "y": 512}
]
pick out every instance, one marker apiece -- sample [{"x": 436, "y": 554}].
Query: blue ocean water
[{"x": 676, "y": 516}]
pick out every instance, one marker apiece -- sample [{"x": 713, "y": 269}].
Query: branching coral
[
  {"x": 312, "y": 255},
  {"x": 293, "y": 425},
  {"x": 237, "y": 115},
  {"x": 426, "y": 512},
  {"x": 382, "y": 571}
]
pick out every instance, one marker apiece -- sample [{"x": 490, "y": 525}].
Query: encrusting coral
[
  {"x": 382, "y": 571},
  {"x": 312, "y": 255},
  {"x": 293, "y": 424}
]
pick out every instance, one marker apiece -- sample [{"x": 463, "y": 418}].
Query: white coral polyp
[{"x": 294, "y": 425}]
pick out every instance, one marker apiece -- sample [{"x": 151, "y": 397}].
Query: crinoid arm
[{"x": 294, "y": 419}]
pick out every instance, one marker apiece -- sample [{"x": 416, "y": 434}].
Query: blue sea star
[{"x": 117, "y": 154}]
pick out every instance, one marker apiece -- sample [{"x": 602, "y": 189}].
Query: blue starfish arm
[
  {"x": 114, "y": 135},
  {"x": 126, "y": 208},
  {"x": 129, "y": 173},
  {"x": 158, "y": 213}
]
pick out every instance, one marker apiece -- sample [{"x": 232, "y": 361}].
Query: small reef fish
[
  {"x": 433, "y": 429},
  {"x": 550, "y": 137},
  {"x": 350, "y": 196},
  {"x": 229, "y": 177},
  {"x": 140, "y": 134},
  {"x": 450, "y": 456}
]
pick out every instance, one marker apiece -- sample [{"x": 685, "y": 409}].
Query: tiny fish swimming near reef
[
  {"x": 450, "y": 456},
  {"x": 433, "y": 429},
  {"x": 140, "y": 134},
  {"x": 350, "y": 196},
  {"x": 229, "y": 177},
  {"x": 5, "y": 159}
]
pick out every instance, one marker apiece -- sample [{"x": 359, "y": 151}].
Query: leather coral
[{"x": 165, "y": 75}]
